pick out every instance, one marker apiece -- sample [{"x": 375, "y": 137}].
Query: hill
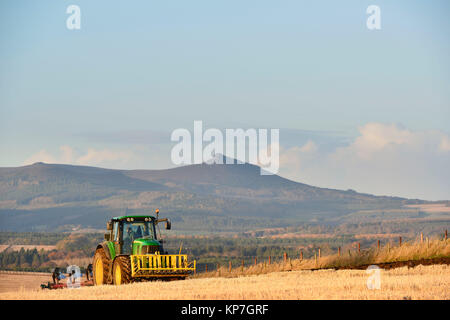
[{"x": 217, "y": 197}]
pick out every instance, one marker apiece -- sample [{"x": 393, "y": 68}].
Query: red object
[{"x": 51, "y": 286}]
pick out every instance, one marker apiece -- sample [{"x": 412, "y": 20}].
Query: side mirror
[
  {"x": 109, "y": 226},
  {"x": 168, "y": 225},
  {"x": 107, "y": 236}
]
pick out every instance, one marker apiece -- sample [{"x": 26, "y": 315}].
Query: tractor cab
[{"x": 135, "y": 234}]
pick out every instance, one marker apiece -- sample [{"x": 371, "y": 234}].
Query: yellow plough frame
[{"x": 157, "y": 265}]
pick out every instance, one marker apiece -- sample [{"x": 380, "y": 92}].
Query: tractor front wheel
[
  {"x": 100, "y": 267},
  {"x": 122, "y": 270}
]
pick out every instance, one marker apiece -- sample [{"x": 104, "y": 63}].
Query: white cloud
[
  {"x": 93, "y": 157},
  {"x": 293, "y": 158},
  {"x": 445, "y": 144},
  {"x": 383, "y": 159},
  {"x": 97, "y": 157},
  {"x": 41, "y": 156},
  {"x": 67, "y": 154},
  {"x": 376, "y": 136},
  {"x": 309, "y": 147}
]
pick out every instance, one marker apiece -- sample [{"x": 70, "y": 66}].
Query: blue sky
[{"x": 111, "y": 92}]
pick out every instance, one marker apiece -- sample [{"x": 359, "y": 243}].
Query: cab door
[{"x": 116, "y": 237}]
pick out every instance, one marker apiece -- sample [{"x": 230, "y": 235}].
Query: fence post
[
  {"x": 339, "y": 251},
  {"x": 285, "y": 256},
  {"x": 359, "y": 247},
  {"x": 206, "y": 268},
  {"x": 378, "y": 244},
  {"x": 399, "y": 241},
  {"x": 319, "y": 253},
  {"x": 446, "y": 234},
  {"x": 301, "y": 254},
  {"x": 242, "y": 265},
  {"x": 229, "y": 268}
]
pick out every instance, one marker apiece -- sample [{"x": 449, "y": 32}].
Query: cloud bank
[
  {"x": 92, "y": 157},
  {"x": 384, "y": 159}
]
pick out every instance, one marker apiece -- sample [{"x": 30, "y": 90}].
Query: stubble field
[
  {"x": 22, "y": 281},
  {"x": 421, "y": 282}
]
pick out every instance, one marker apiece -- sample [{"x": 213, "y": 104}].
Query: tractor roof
[{"x": 132, "y": 216}]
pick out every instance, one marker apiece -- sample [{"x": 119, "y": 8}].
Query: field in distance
[
  {"x": 17, "y": 247},
  {"x": 421, "y": 282},
  {"x": 22, "y": 281}
]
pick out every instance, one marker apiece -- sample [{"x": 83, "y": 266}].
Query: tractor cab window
[
  {"x": 136, "y": 230},
  {"x": 116, "y": 231}
]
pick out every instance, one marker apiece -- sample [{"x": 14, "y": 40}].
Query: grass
[
  {"x": 407, "y": 251},
  {"x": 421, "y": 282}
]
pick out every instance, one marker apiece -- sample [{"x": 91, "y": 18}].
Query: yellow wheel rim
[
  {"x": 98, "y": 272},
  {"x": 117, "y": 275}
]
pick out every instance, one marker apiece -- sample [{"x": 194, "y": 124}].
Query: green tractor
[{"x": 131, "y": 252}]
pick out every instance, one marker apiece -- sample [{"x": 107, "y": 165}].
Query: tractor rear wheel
[
  {"x": 122, "y": 270},
  {"x": 100, "y": 267}
]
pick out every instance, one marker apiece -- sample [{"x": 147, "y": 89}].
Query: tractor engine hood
[{"x": 146, "y": 246}]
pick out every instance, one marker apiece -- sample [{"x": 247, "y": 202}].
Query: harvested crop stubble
[
  {"x": 415, "y": 252},
  {"x": 422, "y": 282}
]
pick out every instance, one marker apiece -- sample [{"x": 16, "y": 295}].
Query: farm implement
[
  {"x": 73, "y": 279},
  {"x": 131, "y": 252},
  {"x": 51, "y": 285}
]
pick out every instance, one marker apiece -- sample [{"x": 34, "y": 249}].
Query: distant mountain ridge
[{"x": 53, "y": 195}]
